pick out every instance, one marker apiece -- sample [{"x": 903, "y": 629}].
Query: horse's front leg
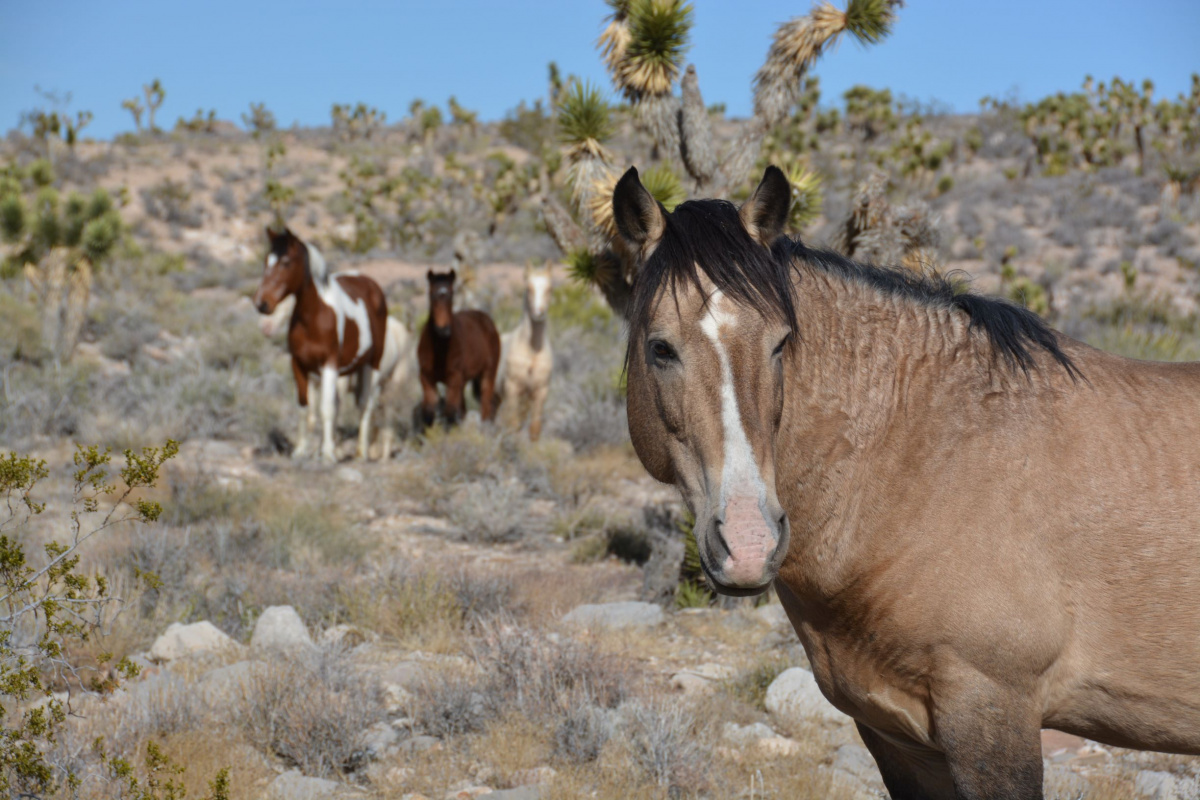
[
  {"x": 535, "y": 412},
  {"x": 487, "y": 395},
  {"x": 991, "y": 735},
  {"x": 429, "y": 401},
  {"x": 368, "y": 390},
  {"x": 307, "y": 410},
  {"x": 329, "y": 391},
  {"x": 455, "y": 402}
]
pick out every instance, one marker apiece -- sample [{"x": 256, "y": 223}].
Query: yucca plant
[
  {"x": 642, "y": 46},
  {"x": 806, "y": 196}
]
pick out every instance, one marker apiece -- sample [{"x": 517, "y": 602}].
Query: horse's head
[
  {"x": 441, "y": 300},
  {"x": 537, "y": 291},
  {"x": 284, "y": 269},
  {"x": 710, "y": 321}
]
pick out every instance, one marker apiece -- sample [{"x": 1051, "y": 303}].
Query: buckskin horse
[
  {"x": 977, "y": 526},
  {"x": 456, "y": 348},
  {"x": 337, "y": 328},
  {"x": 526, "y": 359}
]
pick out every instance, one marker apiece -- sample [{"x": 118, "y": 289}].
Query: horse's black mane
[{"x": 707, "y": 236}]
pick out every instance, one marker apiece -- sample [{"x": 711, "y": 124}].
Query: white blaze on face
[
  {"x": 539, "y": 286},
  {"x": 272, "y": 260},
  {"x": 334, "y": 296},
  {"x": 743, "y": 497}
]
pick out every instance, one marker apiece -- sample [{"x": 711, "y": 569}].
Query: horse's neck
[
  {"x": 308, "y": 300},
  {"x": 875, "y": 377},
  {"x": 532, "y": 332}
]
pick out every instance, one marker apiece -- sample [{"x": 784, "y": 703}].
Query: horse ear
[
  {"x": 453, "y": 275},
  {"x": 271, "y": 235},
  {"x": 641, "y": 221},
  {"x": 765, "y": 214},
  {"x": 429, "y": 275}
]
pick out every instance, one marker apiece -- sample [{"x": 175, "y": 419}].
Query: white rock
[
  {"x": 396, "y": 698},
  {"x": 1060, "y": 780},
  {"x": 779, "y": 746},
  {"x": 280, "y": 630},
  {"x": 795, "y": 698},
  {"x": 1156, "y": 785},
  {"x": 293, "y": 785},
  {"x": 857, "y": 760},
  {"x": 379, "y": 739},
  {"x": 181, "y": 641},
  {"x": 772, "y": 615},
  {"x": 690, "y": 683},
  {"x": 348, "y": 474},
  {"x": 629, "y": 614},
  {"x": 746, "y": 734},
  {"x": 232, "y": 682}
]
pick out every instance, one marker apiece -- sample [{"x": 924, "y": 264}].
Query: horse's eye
[
  {"x": 778, "y": 351},
  {"x": 662, "y": 351}
]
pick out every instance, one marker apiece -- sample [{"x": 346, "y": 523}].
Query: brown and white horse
[
  {"x": 526, "y": 359},
  {"x": 338, "y": 328},
  {"x": 395, "y": 370},
  {"x": 978, "y": 526}
]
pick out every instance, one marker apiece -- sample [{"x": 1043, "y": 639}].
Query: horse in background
[
  {"x": 395, "y": 370},
  {"x": 456, "y": 348},
  {"x": 526, "y": 359},
  {"x": 338, "y": 328}
]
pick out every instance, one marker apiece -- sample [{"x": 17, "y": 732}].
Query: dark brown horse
[
  {"x": 977, "y": 526},
  {"x": 337, "y": 328},
  {"x": 456, "y": 348}
]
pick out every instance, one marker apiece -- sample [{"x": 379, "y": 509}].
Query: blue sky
[{"x": 302, "y": 56}]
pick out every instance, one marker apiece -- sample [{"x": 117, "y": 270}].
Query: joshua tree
[
  {"x": 643, "y": 47},
  {"x": 134, "y": 106},
  {"x": 259, "y": 121},
  {"x": 155, "y": 94},
  {"x": 358, "y": 122},
  {"x": 58, "y": 244}
]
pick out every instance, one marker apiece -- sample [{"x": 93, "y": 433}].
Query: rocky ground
[{"x": 479, "y": 615}]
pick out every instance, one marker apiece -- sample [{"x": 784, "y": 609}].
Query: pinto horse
[
  {"x": 337, "y": 328},
  {"x": 456, "y": 348},
  {"x": 977, "y": 526}
]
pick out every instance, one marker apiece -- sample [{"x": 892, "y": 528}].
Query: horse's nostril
[
  {"x": 719, "y": 535},
  {"x": 262, "y": 306}
]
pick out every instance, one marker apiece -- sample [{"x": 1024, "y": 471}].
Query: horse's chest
[{"x": 870, "y": 681}]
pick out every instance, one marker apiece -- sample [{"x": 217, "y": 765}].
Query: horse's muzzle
[{"x": 442, "y": 330}]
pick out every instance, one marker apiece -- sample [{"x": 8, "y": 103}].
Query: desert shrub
[
  {"x": 51, "y": 604},
  {"x": 309, "y": 710},
  {"x": 750, "y": 685},
  {"x": 663, "y": 740},
  {"x": 481, "y": 596},
  {"x": 20, "y": 330},
  {"x": 400, "y": 605},
  {"x": 171, "y": 202},
  {"x": 489, "y": 510},
  {"x": 453, "y": 704},
  {"x": 582, "y": 733}
]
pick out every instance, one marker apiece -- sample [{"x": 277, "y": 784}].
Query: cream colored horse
[
  {"x": 395, "y": 370},
  {"x": 978, "y": 526},
  {"x": 526, "y": 359}
]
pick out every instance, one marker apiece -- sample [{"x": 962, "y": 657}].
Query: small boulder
[
  {"x": 294, "y": 785},
  {"x": 182, "y": 641},
  {"x": 629, "y": 614},
  {"x": 856, "y": 760},
  {"x": 795, "y": 698},
  {"x": 746, "y": 734},
  {"x": 232, "y": 682},
  {"x": 519, "y": 793},
  {"x": 280, "y": 630},
  {"x": 772, "y": 615},
  {"x": 779, "y": 746},
  {"x": 379, "y": 739},
  {"x": 469, "y": 793},
  {"x": 1156, "y": 785}
]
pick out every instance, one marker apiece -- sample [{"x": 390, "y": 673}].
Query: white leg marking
[
  {"x": 329, "y": 382},
  {"x": 308, "y": 421},
  {"x": 369, "y": 390}
]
